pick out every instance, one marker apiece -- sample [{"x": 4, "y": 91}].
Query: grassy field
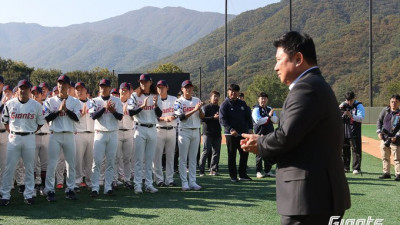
[
  {"x": 220, "y": 202},
  {"x": 369, "y": 130}
]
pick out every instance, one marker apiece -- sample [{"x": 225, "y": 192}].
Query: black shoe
[
  {"x": 70, "y": 195},
  {"x": 172, "y": 184},
  {"x": 94, "y": 194},
  {"x": 77, "y": 190},
  {"x": 110, "y": 193},
  {"x": 385, "y": 176},
  {"x": 51, "y": 197},
  {"x": 4, "y": 202},
  {"x": 29, "y": 201},
  {"x": 234, "y": 179},
  {"x": 114, "y": 185},
  {"x": 21, "y": 189},
  {"x": 160, "y": 184},
  {"x": 128, "y": 185},
  {"x": 245, "y": 178},
  {"x": 397, "y": 177}
]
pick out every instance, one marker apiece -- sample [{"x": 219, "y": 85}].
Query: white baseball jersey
[
  {"x": 167, "y": 108},
  {"x": 183, "y": 106},
  {"x": 107, "y": 122},
  {"x": 85, "y": 122},
  {"x": 62, "y": 123},
  {"x": 23, "y": 117},
  {"x": 147, "y": 115},
  {"x": 127, "y": 121}
]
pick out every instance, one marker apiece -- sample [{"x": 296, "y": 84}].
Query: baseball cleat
[
  {"x": 51, "y": 197},
  {"x": 128, "y": 185},
  {"x": 70, "y": 195},
  {"x": 94, "y": 194},
  {"x": 160, "y": 184},
  {"x": 138, "y": 190},
  {"x": 110, "y": 193},
  {"x": 195, "y": 187},
  {"x": 4, "y": 202},
  {"x": 185, "y": 187},
  {"x": 29, "y": 201},
  {"x": 151, "y": 189},
  {"x": 77, "y": 190},
  {"x": 21, "y": 188}
]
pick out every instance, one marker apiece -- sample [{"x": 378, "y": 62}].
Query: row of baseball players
[{"x": 101, "y": 126}]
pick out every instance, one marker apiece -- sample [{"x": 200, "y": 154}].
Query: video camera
[
  {"x": 387, "y": 136},
  {"x": 346, "y": 108}
]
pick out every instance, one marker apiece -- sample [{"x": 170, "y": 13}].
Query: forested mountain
[
  {"x": 339, "y": 29},
  {"x": 121, "y": 43}
]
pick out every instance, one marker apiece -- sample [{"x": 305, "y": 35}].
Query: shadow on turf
[{"x": 217, "y": 192}]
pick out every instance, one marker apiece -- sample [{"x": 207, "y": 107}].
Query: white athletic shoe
[
  {"x": 260, "y": 175},
  {"x": 185, "y": 187},
  {"x": 355, "y": 172},
  {"x": 195, "y": 187},
  {"x": 151, "y": 189},
  {"x": 138, "y": 190}
]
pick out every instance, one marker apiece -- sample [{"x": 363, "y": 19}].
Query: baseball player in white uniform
[
  {"x": 106, "y": 110},
  {"x": 84, "y": 140},
  {"x": 166, "y": 137},
  {"x": 144, "y": 105},
  {"x": 61, "y": 111},
  {"x": 22, "y": 117},
  {"x": 6, "y": 95},
  {"x": 125, "y": 139},
  {"x": 188, "y": 110},
  {"x": 42, "y": 144}
]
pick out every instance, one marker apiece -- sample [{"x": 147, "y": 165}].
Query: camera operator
[
  {"x": 353, "y": 114},
  {"x": 388, "y": 131}
]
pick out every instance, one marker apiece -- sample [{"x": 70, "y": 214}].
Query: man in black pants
[
  {"x": 235, "y": 116},
  {"x": 211, "y": 135}
]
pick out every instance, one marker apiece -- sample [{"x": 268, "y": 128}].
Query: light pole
[
  {"x": 370, "y": 54},
  {"x": 226, "y": 50}
]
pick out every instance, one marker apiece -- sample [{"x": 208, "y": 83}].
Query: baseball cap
[
  {"x": 55, "y": 88},
  {"x": 145, "y": 77},
  {"x": 44, "y": 84},
  {"x": 64, "y": 78},
  {"x": 186, "y": 83},
  {"x": 114, "y": 90},
  {"x": 162, "y": 82},
  {"x": 2, "y": 79},
  {"x": 124, "y": 85},
  {"x": 72, "y": 84},
  {"x": 7, "y": 87},
  {"x": 24, "y": 83},
  {"x": 15, "y": 90},
  {"x": 37, "y": 88},
  {"x": 80, "y": 84},
  {"x": 105, "y": 82}
]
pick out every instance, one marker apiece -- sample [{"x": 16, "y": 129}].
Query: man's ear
[{"x": 299, "y": 58}]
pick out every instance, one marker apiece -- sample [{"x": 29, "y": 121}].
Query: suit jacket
[{"x": 307, "y": 147}]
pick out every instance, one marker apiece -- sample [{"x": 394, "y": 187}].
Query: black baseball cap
[
  {"x": 80, "y": 84},
  {"x": 64, "y": 78},
  {"x": 186, "y": 83},
  {"x": 7, "y": 87},
  {"x": 145, "y": 77},
  {"x": 105, "y": 82},
  {"x": 163, "y": 83},
  {"x": 24, "y": 83},
  {"x": 37, "y": 88},
  {"x": 15, "y": 90},
  {"x": 72, "y": 84}
]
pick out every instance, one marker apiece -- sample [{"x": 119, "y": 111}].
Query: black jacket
[
  {"x": 307, "y": 146},
  {"x": 235, "y": 115}
]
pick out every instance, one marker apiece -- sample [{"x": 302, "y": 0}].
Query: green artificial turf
[{"x": 220, "y": 202}]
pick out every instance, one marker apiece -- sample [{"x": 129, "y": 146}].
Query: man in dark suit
[{"x": 310, "y": 182}]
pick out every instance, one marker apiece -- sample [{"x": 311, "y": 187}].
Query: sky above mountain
[{"x": 64, "y": 13}]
